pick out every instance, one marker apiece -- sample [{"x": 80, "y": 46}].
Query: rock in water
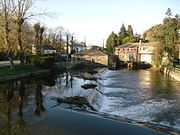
[
  {"x": 75, "y": 100},
  {"x": 88, "y": 86}
]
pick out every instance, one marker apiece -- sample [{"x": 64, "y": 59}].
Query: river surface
[{"x": 146, "y": 96}]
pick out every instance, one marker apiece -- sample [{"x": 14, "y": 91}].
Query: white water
[{"x": 139, "y": 95}]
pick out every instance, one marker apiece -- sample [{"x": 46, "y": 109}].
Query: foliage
[
  {"x": 123, "y": 37},
  {"x": 44, "y": 62},
  {"x": 130, "y": 31},
  {"x": 112, "y": 42},
  {"x": 123, "y": 33},
  {"x": 166, "y": 35}
]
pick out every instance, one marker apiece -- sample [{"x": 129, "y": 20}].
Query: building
[
  {"x": 127, "y": 52},
  {"x": 92, "y": 55},
  {"x": 145, "y": 52},
  {"x": 135, "y": 52},
  {"x": 78, "y": 47},
  {"x": 47, "y": 49}
]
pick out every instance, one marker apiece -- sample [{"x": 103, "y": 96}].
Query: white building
[
  {"x": 78, "y": 47},
  {"x": 145, "y": 52},
  {"x": 48, "y": 49}
]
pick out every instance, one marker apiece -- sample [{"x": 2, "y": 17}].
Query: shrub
[{"x": 44, "y": 62}]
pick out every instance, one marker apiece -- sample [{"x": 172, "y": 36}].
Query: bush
[
  {"x": 78, "y": 66},
  {"x": 44, "y": 62}
]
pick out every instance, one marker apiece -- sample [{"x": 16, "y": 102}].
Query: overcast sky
[{"x": 96, "y": 19}]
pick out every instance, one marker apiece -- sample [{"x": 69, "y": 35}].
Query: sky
[{"x": 94, "y": 20}]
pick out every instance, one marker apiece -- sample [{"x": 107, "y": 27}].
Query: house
[
  {"x": 92, "y": 55},
  {"x": 127, "y": 52},
  {"x": 47, "y": 49},
  {"x": 135, "y": 52},
  {"x": 145, "y": 52},
  {"x": 94, "y": 47},
  {"x": 78, "y": 47}
]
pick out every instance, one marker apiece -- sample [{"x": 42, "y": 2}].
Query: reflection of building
[
  {"x": 93, "y": 55},
  {"x": 135, "y": 52}
]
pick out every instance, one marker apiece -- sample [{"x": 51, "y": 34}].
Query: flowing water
[{"x": 135, "y": 95}]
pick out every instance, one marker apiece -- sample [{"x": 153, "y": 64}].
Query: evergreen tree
[
  {"x": 130, "y": 31},
  {"x": 112, "y": 42},
  {"x": 168, "y": 12},
  {"x": 123, "y": 33}
]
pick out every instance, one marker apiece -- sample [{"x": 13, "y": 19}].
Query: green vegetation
[
  {"x": 123, "y": 37},
  {"x": 166, "y": 36},
  {"x": 18, "y": 70},
  {"x": 112, "y": 42},
  {"x": 43, "y": 61}
]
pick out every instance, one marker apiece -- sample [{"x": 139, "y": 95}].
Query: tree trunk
[
  {"x": 21, "y": 51},
  {"x": 6, "y": 34}
]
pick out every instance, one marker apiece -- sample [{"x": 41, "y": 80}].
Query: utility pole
[
  {"x": 67, "y": 47},
  {"x": 103, "y": 43},
  {"x": 84, "y": 40}
]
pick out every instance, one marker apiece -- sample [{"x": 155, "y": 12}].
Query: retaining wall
[{"x": 172, "y": 72}]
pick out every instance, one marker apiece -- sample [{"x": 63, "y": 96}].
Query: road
[{"x": 6, "y": 63}]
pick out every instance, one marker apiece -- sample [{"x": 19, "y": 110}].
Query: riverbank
[
  {"x": 20, "y": 71},
  {"x": 172, "y": 72}
]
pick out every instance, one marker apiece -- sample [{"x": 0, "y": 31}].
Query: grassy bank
[{"x": 18, "y": 70}]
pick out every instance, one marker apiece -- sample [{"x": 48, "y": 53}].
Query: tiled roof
[{"x": 90, "y": 52}]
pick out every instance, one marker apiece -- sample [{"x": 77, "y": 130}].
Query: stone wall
[
  {"x": 98, "y": 59},
  {"x": 172, "y": 72}
]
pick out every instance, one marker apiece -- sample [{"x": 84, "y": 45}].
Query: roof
[
  {"x": 127, "y": 46},
  {"x": 90, "y": 52},
  {"x": 79, "y": 45},
  {"x": 47, "y": 47},
  {"x": 134, "y": 45}
]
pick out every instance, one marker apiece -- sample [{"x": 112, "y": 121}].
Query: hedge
[{"x": 44, "y": 62}]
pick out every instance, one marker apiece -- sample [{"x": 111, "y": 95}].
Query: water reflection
[
  {"x": 39, "y": 100},
  {"x": 14, "y": 103},
  {"x": 140, "y": 95}
]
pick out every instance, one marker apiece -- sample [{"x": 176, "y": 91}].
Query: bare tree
[
  {"x": 20, "y": 13},
  {"x": 6, "y": 19},
  {"x": 39, "y": 30}
]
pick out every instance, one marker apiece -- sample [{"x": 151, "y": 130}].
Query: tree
[
  {"x": 112, "y": 42},
  {"x": 130, "y": 31},
  {"x": 167, "y": 36},
  {"x": 170, "y": 37},
  {"x": 20, "y": 14},
  {"x": 39, "y": 30},
  {"x": 168, "y": 12},
  {"x": 123, "y": 33},
  {"x": 6, "y": 19}
]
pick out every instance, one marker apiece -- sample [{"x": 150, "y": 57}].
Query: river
[{"x": 142, "y": 95}]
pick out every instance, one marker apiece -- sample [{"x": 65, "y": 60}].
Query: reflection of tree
[
  {"x": 39, "y": 100},
  {"x": 20, "y": 125},
  {"x": 9, "y": 96}
]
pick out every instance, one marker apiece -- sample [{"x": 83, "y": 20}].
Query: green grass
[{"x": 18, "y": 70}]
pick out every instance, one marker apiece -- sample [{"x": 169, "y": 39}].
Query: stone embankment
[{"x": 172, "y": 72}]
